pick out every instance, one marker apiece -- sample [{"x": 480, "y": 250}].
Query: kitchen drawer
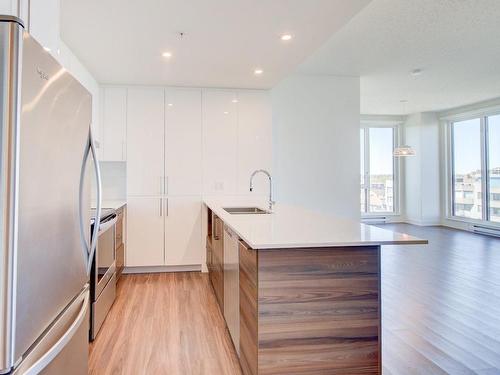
[
  {"x": 209, "y": 255},
  {"x": 217, "y": 279},
  {"x": 120, "y": 260},
  {"x": 119, "y": 228}
]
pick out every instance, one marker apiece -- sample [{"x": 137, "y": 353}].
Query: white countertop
[
  {"x": 295, "y": 227},
  {"x": 115, "y": 204}
]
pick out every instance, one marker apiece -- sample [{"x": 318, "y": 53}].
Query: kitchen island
[{"x": 300, "y": 290}]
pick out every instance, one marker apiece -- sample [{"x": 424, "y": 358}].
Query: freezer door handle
[
  {"x": 49, "y": 356},
  {"x": 89, "y": 250}
]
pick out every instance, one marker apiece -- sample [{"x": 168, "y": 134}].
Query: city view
[
  {"x": 381, "y": 194},
  {"x": 468, "y": 195}
]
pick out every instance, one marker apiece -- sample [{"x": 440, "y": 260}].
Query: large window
[
  {"x": 378, "y": 170},
  {"x": 467, "y": 182},
  {"x": 475, "y": 167},
  {"x": 493, "y": 126}
]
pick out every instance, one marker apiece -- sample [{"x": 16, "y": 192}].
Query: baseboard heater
[
  {"x": 374, "y": 220},
  {"x": 490, "y": 231}
]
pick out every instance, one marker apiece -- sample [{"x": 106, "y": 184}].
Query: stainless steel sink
[{"x": 245, "y": 211}]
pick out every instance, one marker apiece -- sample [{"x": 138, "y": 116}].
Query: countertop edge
[{"x": 215, "y": 208}]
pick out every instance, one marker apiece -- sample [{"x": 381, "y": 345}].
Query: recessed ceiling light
[
  {"x": 170, "y": 104},
  {"x": 286, "y": 37},
  {"x": 167, "y": 54},
  {"x": 416, "y": 72},
  {"x": 46, "y": 49},
  {"x": 234, "y": 101},
  {"x": 226, "y": 112},
  {"x": 258, "y": 72}
]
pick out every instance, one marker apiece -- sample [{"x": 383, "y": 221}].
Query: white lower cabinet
[
  {"x": 145, "y": 230},
  {"x": 163, "y": 231},
  {"x": 183, "y": 231}
]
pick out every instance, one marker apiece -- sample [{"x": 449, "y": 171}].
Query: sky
[
  {"x": 381, "y": 149},
  {"x": 467, "y": 144}
]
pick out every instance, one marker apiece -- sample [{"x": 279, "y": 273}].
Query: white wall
[
  {"x": 316, "y": 143},
  {"x": 422, "y": 171},
  {"x": 10, "y": 7},
  {"x": 44, "y": 26}
]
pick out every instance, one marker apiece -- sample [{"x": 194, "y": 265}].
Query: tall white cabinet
[
  {"x": 183, "y": 142},
  {"x": 237, "y": 137},
  {"x": 180, "y": 144},
  {"x": 145, "y": 232},
  {"x": 145, "y": 142},
  {"x": 220, "y": 141},
  {"x": 164, "y": 177}
]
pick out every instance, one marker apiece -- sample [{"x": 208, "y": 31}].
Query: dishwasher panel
[{"x": 232, "y": 286}]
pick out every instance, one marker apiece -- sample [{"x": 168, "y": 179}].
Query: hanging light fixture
[{"x": 404, "y": 150}]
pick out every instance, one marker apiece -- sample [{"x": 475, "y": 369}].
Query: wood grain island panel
[{"x": 318, "y": 310}]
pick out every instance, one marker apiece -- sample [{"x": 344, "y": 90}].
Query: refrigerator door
[
  {"x": 54, "y": 133},
  {"x": 10, "y": 41},
  {"x": 63, "y": 348}
]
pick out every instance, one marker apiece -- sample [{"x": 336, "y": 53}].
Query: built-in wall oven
[{"x": 103, "y": 274}]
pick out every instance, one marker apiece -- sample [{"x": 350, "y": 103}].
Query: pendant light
[{"x": 405, "y": 150}]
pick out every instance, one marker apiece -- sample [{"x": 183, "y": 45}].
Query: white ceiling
[
  {"x": 225, "y": 40},
  {"x": 455, "y": 42}
]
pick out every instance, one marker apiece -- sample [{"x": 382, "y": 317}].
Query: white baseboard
[
  {"x": 423, "y": 223},
  {"x": 156, "y": 269},
  {"x": 204, "y": 268}
]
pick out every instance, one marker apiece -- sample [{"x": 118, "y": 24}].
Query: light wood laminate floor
[
  {"x": 164, "y": 323},
  {"x": 441, "y": 314}
]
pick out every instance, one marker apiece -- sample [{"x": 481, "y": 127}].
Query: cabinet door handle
[
  {"x": 161, "y": 185},
  {"x": 161, "y": 207},
  {"x": 217, "y": 229},
  {"x": 167, "y": 207}
]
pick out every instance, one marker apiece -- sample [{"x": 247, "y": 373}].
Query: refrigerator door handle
[
  {"x": 89, "y": 250},
  {"x": 97, "y": 169},
  {"x": 49, "y": 356}
]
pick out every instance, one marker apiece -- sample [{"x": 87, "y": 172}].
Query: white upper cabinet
[
  {"x": 145, "y": 142},
  {"x": 183, "y": 144},
  {"x": 254, "y": 139},
  {"x": 114, "y": 124},
  {"x": 220, "y": 141},
  {"x": 44, "y": 23},
  {"x": 183, "y": 241}
]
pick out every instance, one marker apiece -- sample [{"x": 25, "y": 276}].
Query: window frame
[
  {"x": 483, "y": 116},
  {"x": 366, "y": 125}
]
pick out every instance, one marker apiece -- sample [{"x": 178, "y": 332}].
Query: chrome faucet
[{"x": 271, "y": 201}]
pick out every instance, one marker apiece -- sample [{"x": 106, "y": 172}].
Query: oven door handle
[{"x": 89, "y": 249}]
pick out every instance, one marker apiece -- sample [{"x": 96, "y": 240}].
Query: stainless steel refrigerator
[{"x": 46, "y": 156}]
